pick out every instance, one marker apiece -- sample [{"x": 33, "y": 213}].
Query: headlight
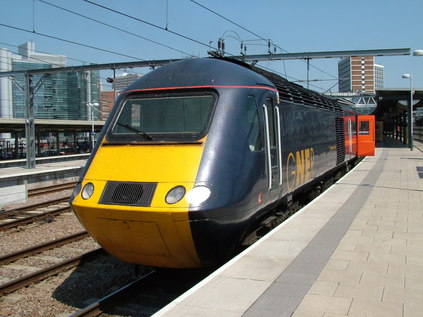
[
  {"x": 175, "y": 194},
  {"x": 87, "y": 191},
  {"x": 198, "y": 195}
]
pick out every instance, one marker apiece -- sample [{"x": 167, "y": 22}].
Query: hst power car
[{"x": 196, "y": 152}]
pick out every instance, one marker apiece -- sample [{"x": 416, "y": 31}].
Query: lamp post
[
  {"x": 410, "y": 105},
  {"x": 91, "y": 108},
  {"x": 410, "y": 111}
]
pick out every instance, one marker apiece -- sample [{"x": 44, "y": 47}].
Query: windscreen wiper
[{"x": 129, "y": 127}]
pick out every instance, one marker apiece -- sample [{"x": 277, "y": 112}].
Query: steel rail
[
  {"x": 94, "y": 309},
  {"x": 13, "y": 211},
  {"x": 18, "y": 283},
  {"x": 50, "y": 189},
  {"x": 13, "y": 256},
  {"x": 33, "y": 218}
]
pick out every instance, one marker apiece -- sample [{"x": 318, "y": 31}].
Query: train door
[
  {"x": 366, "y": 138},
  {"x": 273, "y": 146}
]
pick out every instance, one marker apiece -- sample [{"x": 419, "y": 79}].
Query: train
[{"x": 195, "y": 153}]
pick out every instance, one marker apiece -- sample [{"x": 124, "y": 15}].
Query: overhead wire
[
  {"x": 164, "y": 29},
  {"x": 149, "y": 23},
  {"x": 140, "y": 20},
  {"x": 114, "y": 27},
  {"x": 69, "y": 41},
  {"x": 44, "y": 61},
  {"x": 253, "y": 33},
  {"x": 221, "y": 16}
]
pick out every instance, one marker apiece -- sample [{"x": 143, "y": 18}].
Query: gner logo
[{"x": 300, "y": 167}]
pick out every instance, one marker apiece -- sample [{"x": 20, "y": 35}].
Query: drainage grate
[
  {"x": 420, "y": 171},
  {"x": 128, "y": 194}
]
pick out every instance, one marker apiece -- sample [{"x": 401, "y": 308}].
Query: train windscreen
[{"x": 167, "y": 118}]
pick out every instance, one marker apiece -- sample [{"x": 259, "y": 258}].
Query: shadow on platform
[{"x": 389, "y": 142}]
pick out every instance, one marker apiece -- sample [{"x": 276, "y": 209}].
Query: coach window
[
  {"x": 252, "y": 125},
  {"x": 364, "y": 128}
]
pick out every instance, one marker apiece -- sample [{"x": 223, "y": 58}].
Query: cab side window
[
  {"x": 272, "y": 122},
  {"x": 252, "y": 125}
]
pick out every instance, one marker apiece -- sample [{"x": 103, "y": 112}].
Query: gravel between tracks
[
  {"x": 67, "y": 292},
  {"x": 62, "y": 295},
  {"x": 39, "y": 232}
]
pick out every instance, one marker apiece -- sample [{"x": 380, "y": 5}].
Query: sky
[{"x": 173, "y": 29}]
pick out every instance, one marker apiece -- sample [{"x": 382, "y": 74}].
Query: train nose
[
  {"x": 136, "y": 207},
  {"x": 140, "y": 230},
  {"x": 161, "y": 241},
  {"x": 149, "y": 239}
]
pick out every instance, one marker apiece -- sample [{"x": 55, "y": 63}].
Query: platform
[
  {"x": 356, "y": 250},
  {"x": 43, "y": 160},
  {"x": 16, "y": 181}
]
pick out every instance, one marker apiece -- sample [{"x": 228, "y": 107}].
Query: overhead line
[
  {"x": 149, "y": 23},
  {"x": 221, "y": 16},
  {"x": 114, "y": 27},
  {"x": 67, "y": 57},
  {"x": 69, "y": 41},
  {"x": 249, "y": 31},
  {"x": 37, "y": 59},
  {"x": 142, "y": 63}
]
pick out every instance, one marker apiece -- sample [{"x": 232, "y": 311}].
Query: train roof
[
  {"x": 228, "y": 72},
  {"x": 199, "y": 72},
  {"x": 290, "y": 91},
  {"x": 297, "y": 94}
]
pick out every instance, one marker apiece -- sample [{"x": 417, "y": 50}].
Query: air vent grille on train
[
  {"x": 297, "y": 94},
  {"x": 340, "y": 141},
  {"x": 128, "y": 194}
]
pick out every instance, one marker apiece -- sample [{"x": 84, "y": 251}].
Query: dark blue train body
[{"x": 245, "y": 138}]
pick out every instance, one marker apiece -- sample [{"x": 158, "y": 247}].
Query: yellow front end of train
[{"x": 158, "y": 234}]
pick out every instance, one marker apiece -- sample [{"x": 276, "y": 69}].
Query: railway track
[
  {"x": 97, "y": 308},
  {"x": 147, "y": 294},
  {"x": 49, "y": 270},
  {"x": 10, "y": 257},
  {"x": 31, "y": 213},
  {"x": 50, "y": 189}
]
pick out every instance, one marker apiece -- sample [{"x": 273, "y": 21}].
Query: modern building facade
[
  {"x": 360, "y": 75},
  {"x": 64, "y": 96},
  {"x": 379, "y": 76},
  {"x": 122, "y": 81}
]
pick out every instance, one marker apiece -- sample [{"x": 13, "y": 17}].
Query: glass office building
[{"x": 61, "y": 96}]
